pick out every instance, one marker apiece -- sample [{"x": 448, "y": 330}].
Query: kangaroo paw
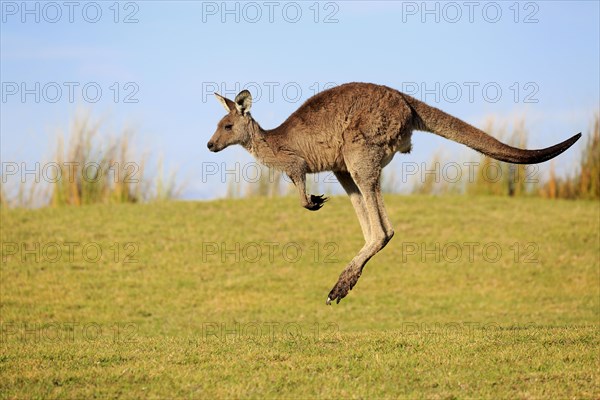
[
  {"x": 345, "y": 283},
  {"x": 316, "y": 202}
]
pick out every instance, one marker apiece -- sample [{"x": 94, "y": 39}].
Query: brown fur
[{"x": 355, "y": 130}]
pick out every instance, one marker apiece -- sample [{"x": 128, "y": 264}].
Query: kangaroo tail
[{"x": 433, "y": 120}]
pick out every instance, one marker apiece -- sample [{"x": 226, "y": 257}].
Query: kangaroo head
[{"x": 237, "y": 126}]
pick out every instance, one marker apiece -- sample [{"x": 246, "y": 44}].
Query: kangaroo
[{"x": 355, "y": 130}]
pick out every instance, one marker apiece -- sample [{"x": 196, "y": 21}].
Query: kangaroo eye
[{"x": 228, "y": 127}]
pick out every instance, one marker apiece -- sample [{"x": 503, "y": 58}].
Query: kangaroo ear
[
  {"x": 228, "y": 104},
  {"x": 243, "y": 102}
]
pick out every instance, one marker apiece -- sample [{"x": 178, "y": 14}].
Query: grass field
[{"x": 473, "y": 298}]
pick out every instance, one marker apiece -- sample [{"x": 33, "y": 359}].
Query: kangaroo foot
[
  {"x": 345, "y": 283},
  {"x": 316, "y": 202}
]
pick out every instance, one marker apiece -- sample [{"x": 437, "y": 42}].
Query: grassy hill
[{"x": 473, "y": 297}]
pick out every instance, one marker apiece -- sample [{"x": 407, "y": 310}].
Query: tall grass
[
  {"x": 584, "y": 182},
  {"x": 88, "y": 166},
  {"x": 261, "y": 182},
  {"x": 21, "y": 192},
  {"x": 429, "y": 183},
  {"x": 589, "y": 174},
  {"x": 499, "y": 178},
  {"x": 95, "y": 171},
  {"x": 166, "y": 185}
]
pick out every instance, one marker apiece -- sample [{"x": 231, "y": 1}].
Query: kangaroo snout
[{"x": 212, "y": 147}]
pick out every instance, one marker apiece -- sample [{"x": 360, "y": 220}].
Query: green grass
[{"x": 182, "y": 322}]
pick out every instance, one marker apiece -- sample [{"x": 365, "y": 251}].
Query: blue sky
[{"x": 542, "y": 56}]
